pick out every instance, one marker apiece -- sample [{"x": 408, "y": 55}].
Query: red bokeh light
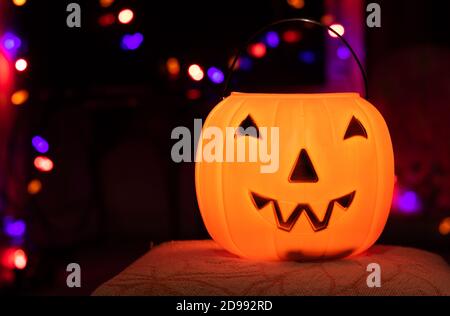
[
  {"x": 106, "y": 19},
  {"x": 14, "y": 258},
  {"x": 5, "y": 78},
  {"x": 257, "y": 50},
  {"x": 43, "y": 163},
  {"x": 193, "y": 94},
  {"x": 292, "y": 36}
]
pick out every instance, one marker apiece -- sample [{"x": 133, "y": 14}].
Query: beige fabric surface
[{"x": 203, "y": 268}]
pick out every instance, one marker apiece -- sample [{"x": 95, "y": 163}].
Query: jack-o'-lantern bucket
[{"x": 327, "y": 196}]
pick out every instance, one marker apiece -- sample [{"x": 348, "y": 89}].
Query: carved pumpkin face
[{"x": 331, "y": 194}]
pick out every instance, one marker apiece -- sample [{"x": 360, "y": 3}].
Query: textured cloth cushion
[{"x": 203, "y": 268}]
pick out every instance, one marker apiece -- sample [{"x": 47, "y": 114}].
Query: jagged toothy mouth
[{"x": 316, "y": 224}]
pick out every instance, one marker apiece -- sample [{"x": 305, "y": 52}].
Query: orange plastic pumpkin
[{"x": 331, "y": 194}]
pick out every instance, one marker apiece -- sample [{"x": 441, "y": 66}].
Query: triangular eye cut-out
[
  {"x": 346, "y": 200},
  {"x": 259, "y": 201},
  {"x": 248, "y": 127},
  {"x": 355, "y": 128}
]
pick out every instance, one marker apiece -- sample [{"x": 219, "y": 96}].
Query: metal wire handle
[{"x": 257, "y": 33}]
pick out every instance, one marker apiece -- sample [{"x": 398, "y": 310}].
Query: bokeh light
[
  {"x": 14, "y": 258},
  {"x": 14, "y": 228},
  {"x": 193, "y": 94},
  {"x": 338, "y": 28},
  {"x": 40, "y": 144},
  {"x": 11, "y": 42},
  {"x": 296, "y": 4},
  {"x": 327, "y": 19},
  {"x": 20, "y": 259},
  {"x": 43, "y": 164},
  {"x": 307, "y": 56},
  {"x": 272, "y": 39},
  {"x": 173, "y": 67},
  {"x": 125, "y": 16},
  {"x": 343, "y": 52},
  {"x": 106, "y": 3},
  {"x": 444, "y": 226},
  {"x": 215, "y": 75},
  {"x": 408, "y": 202},
  {"x": 257, "y": 50},
  {"x": 21, "y": 64},
  {"x": 106, "y": 19},
  {"x": 132, "y": 41},
  {"x": 19, "y": 3},
  {"x": 245, "y": 63},
  {"x": 196, "y": 72},
  {"x": 19, "y": 97},
  {"x": 292, "y": 36},
  {"x": 34, "y": 186}
]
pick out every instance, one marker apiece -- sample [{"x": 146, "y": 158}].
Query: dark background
[{"x": 108, "y": 114}]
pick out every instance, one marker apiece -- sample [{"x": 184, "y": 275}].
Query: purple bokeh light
[
  {"x": 408, "y": 202},
  {"x": 14, "y": 228},
  {"x": 40, "y": 144},
  {"x": 132, "y": 41},
  {"x": 343, "y": 52},
  {"x": 11, "y": 42},
  {"x": 272, "y": 39},
  {"x": 215, "y": 75}
]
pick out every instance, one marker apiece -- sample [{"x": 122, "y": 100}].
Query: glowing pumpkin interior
[{"x": 331, "y": 194}]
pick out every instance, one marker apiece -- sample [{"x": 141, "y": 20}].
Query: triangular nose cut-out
[{"x": 303, "y": 170}]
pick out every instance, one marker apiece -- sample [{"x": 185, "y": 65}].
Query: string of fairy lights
[{"x": 15, "y": 257}]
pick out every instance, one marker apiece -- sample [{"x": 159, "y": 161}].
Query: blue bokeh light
[
  {"x": 215, "y": 75},
  {"x": 14, "y": 228},
  {"x": 132, "y": 41},
  {"x": 245, "y": 63},
  {"x": 272, "y": 39},
  {"x": 40, "y": 144},
  {"x": 307, "y": 56}
]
